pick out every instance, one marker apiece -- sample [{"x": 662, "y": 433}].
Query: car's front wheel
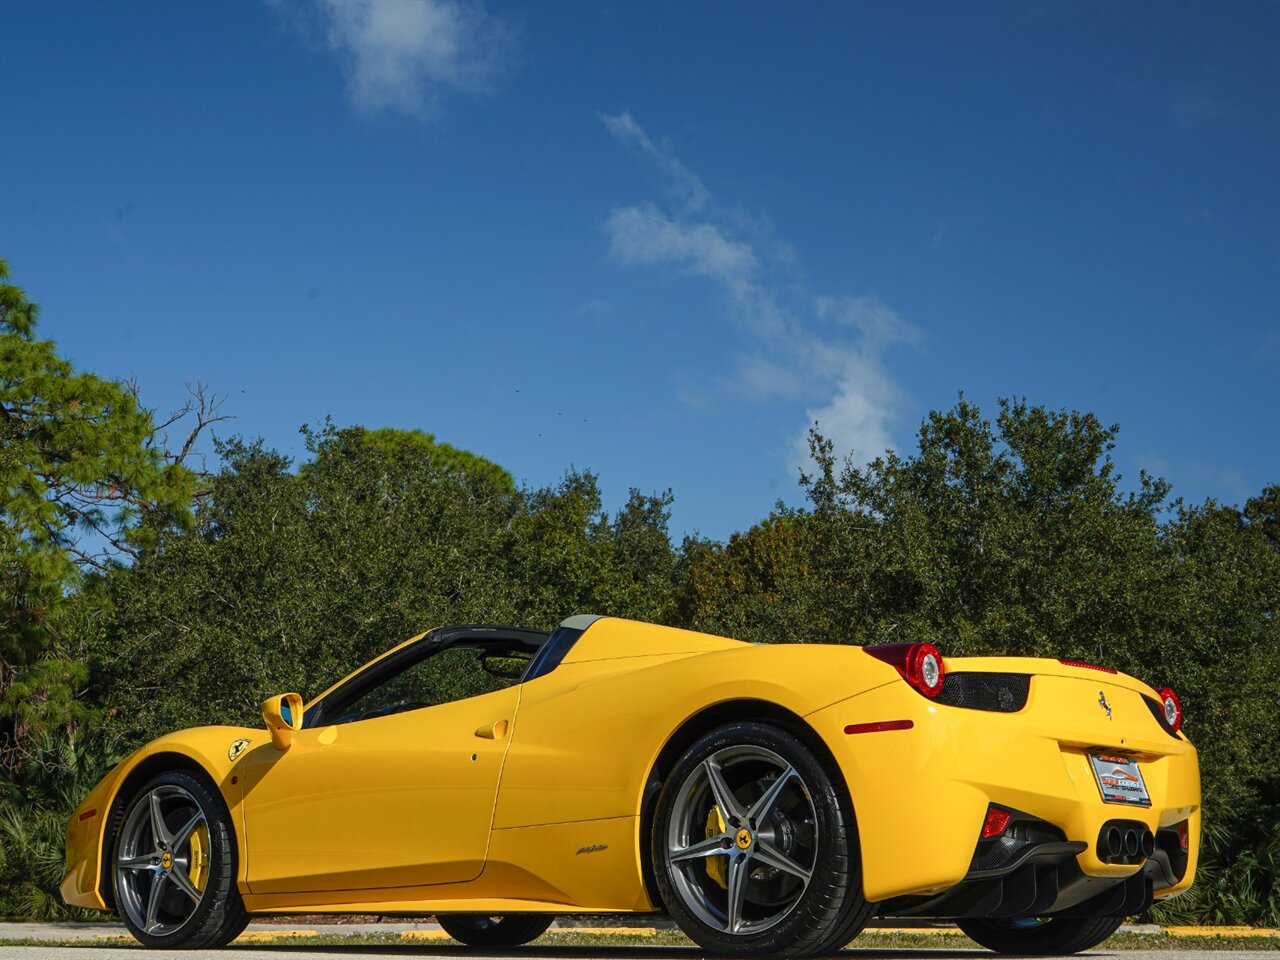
[
  {"x": 505, "y": 930},
  {"x": 1031, "y": 936},
  {"x": 174, "y": 865},
  {"x": 755, "y": 848}
]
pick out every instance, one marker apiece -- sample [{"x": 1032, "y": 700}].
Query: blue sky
[{"x": 657, "y": 241}]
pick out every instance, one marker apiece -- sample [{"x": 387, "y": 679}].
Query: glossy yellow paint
[
  {"x": 400, "y": 800},
  {"x": 531, "y": 798},
  {"x": 206, "y": 748},
  {"x": 921, "y": 794}
]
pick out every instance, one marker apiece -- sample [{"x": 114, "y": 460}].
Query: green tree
[
  {"x": 83, "y": 486},
  {"x": 568, "y": 556},
  {"x": 292, "y": 578},
  {"x": 1016, "y": 537},
  {"x": 415, "y": 445}
]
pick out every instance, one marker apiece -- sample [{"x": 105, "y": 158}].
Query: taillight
[
  {"x": 996, "y": 822},
  {"x": 919, "y": 663},
  {"x": 1172, "y": 707},
  {"x": 1183, "y": 838}
]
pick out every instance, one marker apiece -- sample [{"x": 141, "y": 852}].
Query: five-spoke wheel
[
  {"x": 173, "y": 865},
  {"x": 162, "y": 868},
  {"x": 755, "y": 848}
]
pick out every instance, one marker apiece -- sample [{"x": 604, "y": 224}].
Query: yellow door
[{"x": 396, "y": 800}]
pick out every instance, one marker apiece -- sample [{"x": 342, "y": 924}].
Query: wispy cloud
[
  {"x": 405, "y": 56},
  {"x": 683, "y": 181},
  {"x": 821, "y": 350}
]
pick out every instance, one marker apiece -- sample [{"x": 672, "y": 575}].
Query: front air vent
[{"x": 996, "y": 692}]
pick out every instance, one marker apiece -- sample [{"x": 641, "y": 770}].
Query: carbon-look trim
[{"x": 995, "y": 692}]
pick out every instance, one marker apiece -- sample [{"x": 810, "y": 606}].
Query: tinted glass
[{"x": 452, "y": 674}]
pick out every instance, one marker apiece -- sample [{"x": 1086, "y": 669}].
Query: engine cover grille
[{"x": 997, "y": 692}]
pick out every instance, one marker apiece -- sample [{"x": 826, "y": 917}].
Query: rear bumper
[
  {"x": 1030, "y": 870},
  {"x": 921, "y": 794}
]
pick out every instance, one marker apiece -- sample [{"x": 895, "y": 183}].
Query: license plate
[{"x": 1119, "y": 779}]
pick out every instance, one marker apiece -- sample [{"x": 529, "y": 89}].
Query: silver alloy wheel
[
  {"x": 749, "y": 806},
  {"x": 162, "y": 860}
]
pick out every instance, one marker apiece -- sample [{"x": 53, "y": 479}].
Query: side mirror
[{"x": 283, "y": 714}]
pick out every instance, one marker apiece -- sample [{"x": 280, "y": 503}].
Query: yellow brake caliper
[
  {"x": 717, "y": 867},
  {"x": 199, "y": 871}
]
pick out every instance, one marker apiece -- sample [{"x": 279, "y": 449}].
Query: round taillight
[
  {"x": 925, "y": 670},
  {"x": 920, "y": 664},
  {"x": 1172, "y": 707}
]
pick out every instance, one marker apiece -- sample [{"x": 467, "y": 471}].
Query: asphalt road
[{"x": 452, "y": 952}]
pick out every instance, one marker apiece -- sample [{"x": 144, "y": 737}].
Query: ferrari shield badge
[{"x": 237, "y": 748}]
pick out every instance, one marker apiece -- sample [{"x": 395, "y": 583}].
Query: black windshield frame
[{"x": 496, "y": 639}]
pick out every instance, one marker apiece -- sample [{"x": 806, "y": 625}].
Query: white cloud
[
  {"x": 680, "y": 178},
  {"x": 859, "y": 416},
  {"x": 821, "y": 350},
  {"x": 404, "y": 56},
  {"x": 644, "y": 234}
]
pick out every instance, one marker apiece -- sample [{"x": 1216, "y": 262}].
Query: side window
[{"x": 454, "y": 673}]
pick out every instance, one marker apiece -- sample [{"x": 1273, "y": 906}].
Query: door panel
[{"x": 397, "y": 800}]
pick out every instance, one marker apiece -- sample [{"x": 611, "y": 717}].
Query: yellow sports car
[{"x": 771, "y": 799}]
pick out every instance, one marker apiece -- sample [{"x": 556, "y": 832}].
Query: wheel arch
[
  {"x": 703, "y": 722},
  {"x": 143, "y": 771}
]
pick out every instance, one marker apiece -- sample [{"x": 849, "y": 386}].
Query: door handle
[{"x": 494, "y": 731}]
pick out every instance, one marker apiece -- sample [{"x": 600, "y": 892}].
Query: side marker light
[{"x": 879, "y": 726}]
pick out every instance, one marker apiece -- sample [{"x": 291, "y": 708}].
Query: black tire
[
  {"x": 1031, "y": 938},
  {"x": 218, "y": 915},
  {"x": 808, "y": 825},
  {"x": 506, "y": 930}
]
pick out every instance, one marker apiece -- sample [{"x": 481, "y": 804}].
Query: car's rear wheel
[
  {"x": 505, "y": 930},
  {"x": 173, "y": 865},
  {"x": 1040, "y": 936},
  {"x": 755, "y": 847}
]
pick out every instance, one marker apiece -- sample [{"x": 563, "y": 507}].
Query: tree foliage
[
  {"x": 291, "y": 578},
  {"x": 140, "y": 598},
  {"x": 1017, "y": 538},
  {"x": 81, "y": 486}
]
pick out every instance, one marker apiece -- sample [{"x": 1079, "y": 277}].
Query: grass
[{"x": 560, "y": 939}]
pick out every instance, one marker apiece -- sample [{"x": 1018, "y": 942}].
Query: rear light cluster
[
  {"x": 1172, "y": 707},
  {"x": 919, "y": 663}
]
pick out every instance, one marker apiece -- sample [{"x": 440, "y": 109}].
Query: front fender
[{"x": 211, "y": 750}]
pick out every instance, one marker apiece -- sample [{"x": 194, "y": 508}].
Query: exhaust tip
[
  {"x": 1114, "y": 843},
  {"x": 1131, "y": 843},
  {"x": 1148, "y": 843}
]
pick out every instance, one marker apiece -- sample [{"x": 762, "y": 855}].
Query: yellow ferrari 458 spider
[{"x": 769, "y": 798}]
